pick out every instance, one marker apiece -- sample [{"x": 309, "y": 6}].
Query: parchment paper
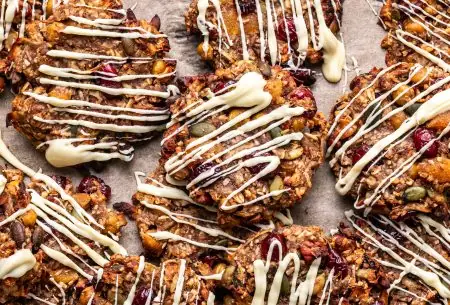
[{"x": 322, "y": 206}]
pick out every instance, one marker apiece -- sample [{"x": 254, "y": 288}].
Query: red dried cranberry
[
  {"x": 247, "y": 6},
  {"x": 337, "y": 262},
  {"x": 112, "y": 72},
  {"x": 127, "y": 208},
  {"x": 422, "y": 137},
  {"x": 198, "y": 170},
  {"x": 141, "y": 296},
  {"x": 258, "y": 167},
  {"x": 91, "y": 184},
  {"x": 273, "y": 238},
  {"x": 359, "y": 152},
  {"x": 303, "y": 77},
  {"x": 290, "y": 29},
  {"x": 210, "y": 260},
  {"x": 222, "y": 85},
  {"x": 302, "y": 93},
  {"x": 61, "y": 180}
]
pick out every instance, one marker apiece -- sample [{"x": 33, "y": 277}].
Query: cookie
[
  {"x": 51, "y": 235},
  {"x": 244, "y": 141},
  {"x": 95, "y": 82},
  {"x": 417, "y": 32},
  {"x": 289, "y": 33},
  {"x": 389, "y": 141},
  {"x": 413, "y": 253}
]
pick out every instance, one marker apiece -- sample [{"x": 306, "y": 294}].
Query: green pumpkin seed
[
  {"x": 275, "y": 132},
  {"x": 201, "y": 129},
  {"x": 285, "y": 286},
  {"x": 369, "y": 112},
  {"x": 414, "y": 193},
  {"x": 412, "y": 109},
  {"x": 227, "y": 276},
  {"x": 276, "y": 185}
]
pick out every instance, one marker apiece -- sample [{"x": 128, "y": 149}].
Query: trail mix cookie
[
  {"x": 389, "y": 142},
  {"x": 130, "y": 280},
  {"x": 418, "y": 32},
  {"x": 302, "y": 264},
  {"x": 414, "y": 254},
  {"x": 288, "y": 33},
  {"x": 96, "y": 81},
  {"x": 244, "y": 141},
  {"x": 171, "y": 226},
  {"x": 51, "y": 236},
  {"x": 17, "y": 14}
]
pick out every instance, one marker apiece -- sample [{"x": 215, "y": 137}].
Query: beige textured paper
[{"x": 322, "y": 206}]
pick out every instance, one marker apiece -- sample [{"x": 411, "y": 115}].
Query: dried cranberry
[
  {"x": 290, "y": 29},
  {"x": 130, "y": 15},
  {"x": 359, "y": 152},
  {"x": 92, "y": 184},
  {"x": 337, "y": 262},
  {"x": 127, "y": 208},
  {"x": 302, "y": 93},
  {"x": 222, "y": 85},
  {"x": 112, "y": 72},
  {"x": 303, "y": 77},
  {"x": 247, "y": 6},
  {"x": 273, "y": 238},
  {"x": 61, "y": 180},
  {"x": 198, "y": 170},
  {"x": 141, "y": 296},
  {"x": 258, "y": 167},
  {"x": 211, "y": 260},
  {"x": 422, "y": 137}
]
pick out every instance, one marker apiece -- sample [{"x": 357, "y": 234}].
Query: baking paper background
[{"x": 322, "y": 206}]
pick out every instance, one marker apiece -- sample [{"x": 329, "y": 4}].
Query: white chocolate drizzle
[
  {"x": 132, "y": 293},
  {"x": 17, "y": 264}
]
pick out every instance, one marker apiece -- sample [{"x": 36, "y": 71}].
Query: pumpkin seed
[
  {"x": 18, "y": 233},
  {"x": 369, "y": 111},
  {"x": 227, "y": 276},
  {"x": 37, "y": 238},
  {"x": 201, "y": 129},
  {"x": 156, "y": 22},
  {"x": 414, "y": 193},
  {"x": 294, "y": 153},
  {"x": 285, "y": 286},
  {"x": 219, "y": 268},
  {"x": 275, "y": 132},
  {"x": 412, "y": 109},
  {"x": 276, "y": 185}
]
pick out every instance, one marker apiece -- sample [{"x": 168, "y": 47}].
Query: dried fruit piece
[
  {"x": 440, "y": 122},
  {"x": 291, "y": 31},
  {"x": 422, "y": 137},
  {"x": 337, "y": 262},
  {"x": 141, "y": 296},
  {"x": 277, "y": 240},
  {"x": 247, "y": 6},
  {"x": 92, "y": 184},
  {"x": 111, "y": 71},
  {"x": 303, "y": 77},
  {"x": 127, "y": 208},
  {"x": 83, "y": 199},
  {"x": 359, "y": 152},
  {"x": 29, "y": 218},
  {"x": 435, "y": 170},
  {"x": 414, "y": 193}
]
